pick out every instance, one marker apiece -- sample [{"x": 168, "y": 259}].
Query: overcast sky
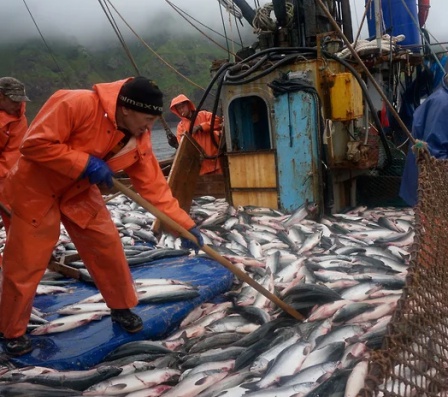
[{"x": 85, "y": 20}]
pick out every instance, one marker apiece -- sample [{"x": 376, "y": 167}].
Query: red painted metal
[{"x": 423, "y": 11}]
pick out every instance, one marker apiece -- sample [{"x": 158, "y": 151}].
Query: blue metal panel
[{"x": 296, "y": 140}]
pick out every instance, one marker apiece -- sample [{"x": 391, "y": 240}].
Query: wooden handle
[{"x": 209, "y": 251}]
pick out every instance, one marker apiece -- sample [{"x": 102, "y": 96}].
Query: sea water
[{"x": 160, "y": 145}]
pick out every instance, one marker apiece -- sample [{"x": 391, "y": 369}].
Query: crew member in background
[
  {"x": 429, "y": 125},
  {"x": 438, "y": 64},
  {"x": 13, "y": 125},
  {"x": 63, "y": 157},
  {"x": 182, "y": 107}
]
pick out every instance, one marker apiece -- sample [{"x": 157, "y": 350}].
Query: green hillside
[{"x": 72, "y": 66}]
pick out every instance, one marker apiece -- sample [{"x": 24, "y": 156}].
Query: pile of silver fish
[{"x": 344, "y": 274}]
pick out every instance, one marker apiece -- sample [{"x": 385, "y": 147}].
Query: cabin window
[{"x": 249, "y": 124}]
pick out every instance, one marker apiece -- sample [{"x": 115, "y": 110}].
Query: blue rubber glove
[
  {"x": 188, "y": 244},
  {"x": 98, "y": 172}
]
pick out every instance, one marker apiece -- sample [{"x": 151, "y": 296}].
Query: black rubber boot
[
  {"x": 129, "y": 321},
  {"x": 18, "y": 346}
]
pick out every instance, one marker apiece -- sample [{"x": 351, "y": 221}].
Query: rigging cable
[
  {"x": 199, "y": 30},
  {"x": 175, "y": 7},
  {"x": 229, "y": 5},
  {"x": 118, "y": 33},
  {"x": 169, "y": 133},
  {"x": 225, "y": 31},
  {"x": 366, "y": 9},
  {"x": 154, "y": 52},
  {"x": 46, "y": 45},
  {"x": 238, "y": 30},
  {"x": 417, "y": 25}
]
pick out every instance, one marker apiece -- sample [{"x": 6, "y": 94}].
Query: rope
[
  {"x": 154, "y": 52},
  {"x": 225, "y": 31},
  {"x": 200, "y": 23},
  {"x": 239, "y": 33},
  {"x": 46, "y": 44},
  {"x": 263, "y": 22},
  {"x": 118, "y": 33},
  {"x": 420, "y": 145},
  {"x": 387, "y": 45},
  {"x": 199, "y": 30},
  {"x": 420, "y": 149},
  {"x": 230, "y": 8},
  {"x": 366, "y": 9}
]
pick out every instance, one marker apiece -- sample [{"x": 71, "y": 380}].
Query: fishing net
[
  {"x": 380, "y": 187},
  {"x": 413, "y": 360}
]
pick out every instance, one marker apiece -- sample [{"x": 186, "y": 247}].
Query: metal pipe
[
  {"x": 347, "y": 20},
  {"x": 247, "y": 11},
  {"x": 280, "y": 12},
  {"x": 378, "y": 19}
]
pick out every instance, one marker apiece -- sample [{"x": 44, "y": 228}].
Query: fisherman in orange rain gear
[
  {"x": 13, "y": 125},
  {"x": 182, "y": 107},
  {"x": 63, "y": 157}
]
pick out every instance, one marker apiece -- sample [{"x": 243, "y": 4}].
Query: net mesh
[
  {"x": 381, "y": 186},
  {"x": 413, "y": 360}
]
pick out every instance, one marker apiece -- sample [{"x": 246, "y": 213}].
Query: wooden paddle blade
[
  {"x": 65, "y": 270},
  {"x": 185, "y": 173},
  {"x": 183, "y": 176}
]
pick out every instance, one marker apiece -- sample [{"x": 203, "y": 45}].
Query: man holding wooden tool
[
  {"x": 202, "y": 132},
  {"x": 78, "y": 139}
]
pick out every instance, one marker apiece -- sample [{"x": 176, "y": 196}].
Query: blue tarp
[{"x": 86, "y": 346}]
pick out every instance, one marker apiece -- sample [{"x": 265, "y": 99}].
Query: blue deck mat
[{"x": 86, "y": 346}]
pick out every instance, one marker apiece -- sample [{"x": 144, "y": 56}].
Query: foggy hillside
[{"x": 45, "y": 67}]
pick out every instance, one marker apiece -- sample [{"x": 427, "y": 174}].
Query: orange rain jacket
[
  {"x": 47, "y": 188},
  {"x": 12, "y": 131},
  {"x": 203, "y": 137}
]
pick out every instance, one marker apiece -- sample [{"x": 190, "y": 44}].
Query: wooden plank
[
  {"x": 166, "y": 165},
  {"x": 184, "y": 175},
  {"x": 211, "y": 185},
  {"x": 253, "y": 178},
  {"x": 267, "y": 199},
  {"x": 67, "y": 259},
  {"x": 252, "y": 169}
]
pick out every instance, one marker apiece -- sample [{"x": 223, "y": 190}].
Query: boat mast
[
  {"x": 347, "y": 26},
  {"x": 300, "y": 27},
  {"x": 378, "y": 19}
]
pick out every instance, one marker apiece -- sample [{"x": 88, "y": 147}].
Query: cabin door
[
  {"x": 252, "y": 160},
  {"x": 296, "y": 129}
]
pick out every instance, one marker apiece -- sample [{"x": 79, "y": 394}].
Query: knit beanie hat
[{"x": 142, "y": 95}]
